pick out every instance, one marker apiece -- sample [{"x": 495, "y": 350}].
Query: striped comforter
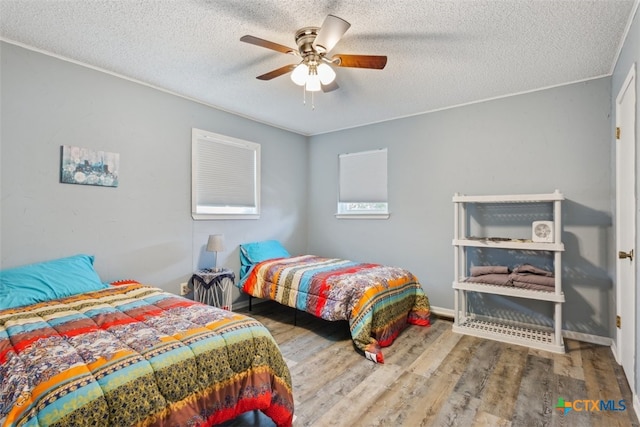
[
  {"x": 135, "y": 355},
  {"x": 378, "y": 301}
]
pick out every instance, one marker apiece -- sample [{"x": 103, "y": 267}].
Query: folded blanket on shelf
[
  {"x": 530, "y": 269},
  {"x": 525, "y": 276},
  {"x": 488, "y": 269},
  {"x": 533, "y": 279},
  {"x": 532, "y": 286},
  {"x": 491, "y": 279}
]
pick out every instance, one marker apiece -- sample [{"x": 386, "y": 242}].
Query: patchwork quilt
[
  {"x": 378, "y": 301},
  {"x": 135, "y": 355}
]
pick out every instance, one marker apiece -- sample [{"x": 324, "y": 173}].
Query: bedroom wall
[
  {"x": 558, "y": 138},
  {"x": 536, "y": 142},
  {"x": 629, "y": 55},
  {"x": 142, "y": 229}
]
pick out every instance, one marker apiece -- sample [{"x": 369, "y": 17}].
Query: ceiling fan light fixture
[
  {"x": 300, "y": 74},
  {"x": 316, "y": 71},
  {"x": 326, "y": 74},
  {"x": 313, "y": 83}
]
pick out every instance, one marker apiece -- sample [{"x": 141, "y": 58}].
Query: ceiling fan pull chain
[{"x": 304, "y": 95}]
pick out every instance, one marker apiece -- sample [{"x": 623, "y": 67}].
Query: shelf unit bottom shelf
[{"x": 528, "y": 336}]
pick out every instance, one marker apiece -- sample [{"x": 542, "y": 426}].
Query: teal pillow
[
  {"x": 48, "y": 280},
  {"x": 261, "y": 251},
  {"x": 255, "y": 252}
]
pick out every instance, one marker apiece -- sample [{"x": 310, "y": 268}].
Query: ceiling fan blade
[
  {"x": 360, "y": 61},
  {"x": 269, "y": 45},
  {"x": 332, "y": 30},
  {"x": 330, "y": 87},
  {"x": 277, "y": 73}
]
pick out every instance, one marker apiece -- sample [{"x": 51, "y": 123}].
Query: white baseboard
[
  {"x": 592, "y": 339},
  {"x": 614, "y": 350},
  {"x": 442, "y": 312}
]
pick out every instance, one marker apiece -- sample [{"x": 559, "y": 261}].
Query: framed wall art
[{"x": 88, "y": 167}]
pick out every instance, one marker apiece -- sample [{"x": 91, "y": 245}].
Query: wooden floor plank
[
  {"x": 440, "y": 384},
  {"x": 484, "y": 360},
  {"x": 414, "y": 341},
  {"x": 484, "y": 419},
  {"x": 331, "y": 361},
  {"x": 460, "y": 409},
  {"x": 360, "y": 400},
  {"x": 435, "y": 354},
  {"x": 601, "y": 384},
  {"x": 309, "y": 342},
  {"x": 397, "y": 402},
  {"x": 336, "y": 391},
  {"x": 537, "y": 393},
  {"x": 570, "y": 363},
  {"x": 570, "y": 390},
  {"x": 502, "y": 389}
]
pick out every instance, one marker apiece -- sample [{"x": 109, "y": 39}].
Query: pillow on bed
[
  {"x": 48, "y": 280},
  {"x": 253, "y": 253}
]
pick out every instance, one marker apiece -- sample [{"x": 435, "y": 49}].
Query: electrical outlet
[{"x": 184, "y": 288}]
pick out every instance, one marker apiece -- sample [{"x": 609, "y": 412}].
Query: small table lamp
[{"x": 215, "y": 245}]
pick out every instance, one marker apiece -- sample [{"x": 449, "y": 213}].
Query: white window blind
[
  {"x": 363, "y": 183},
  {"x": 225, "y": 177}
]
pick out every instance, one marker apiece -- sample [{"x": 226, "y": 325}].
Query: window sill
[
  {"x": 362, "y": 215},
  {"x": 197, "y": 216}
]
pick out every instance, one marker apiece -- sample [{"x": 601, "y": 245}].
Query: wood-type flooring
[{"x": 435, "y": 377}]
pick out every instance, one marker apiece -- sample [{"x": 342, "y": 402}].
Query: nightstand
[{"x": 213, "y": 287}]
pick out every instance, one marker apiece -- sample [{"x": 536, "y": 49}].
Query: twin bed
[
  {"x": 76, "y": 351},
  {"x": 378, "y": 301}
]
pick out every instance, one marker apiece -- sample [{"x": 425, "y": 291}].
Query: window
[
  {"x": 362, "y": 186},
  {"x": 225, "y": 177}
]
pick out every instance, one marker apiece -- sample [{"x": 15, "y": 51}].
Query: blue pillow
[
  {"x": 48, "y": 280},
  {"x": 253, "y": 253},
  {"x": 261, "y": 251}
]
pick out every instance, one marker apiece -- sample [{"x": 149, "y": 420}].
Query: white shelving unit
[{"x": 489, "y": 326}]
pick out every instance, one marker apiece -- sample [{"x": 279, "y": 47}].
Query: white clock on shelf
[{"x": 542, "y": 231}]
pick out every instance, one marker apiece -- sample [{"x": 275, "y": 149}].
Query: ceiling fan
[{"x": 315, "y": 71}]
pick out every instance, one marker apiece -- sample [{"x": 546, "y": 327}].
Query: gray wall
[
  {"x": 142, "y": 229},
  {"x": 558, "y": 138},
  {"x": 629, "y": 55}
]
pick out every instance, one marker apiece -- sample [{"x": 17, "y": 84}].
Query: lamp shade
[
  {"x": 313, "y": 83},
  {"x": 299, "y": 75},
  {"x": 215, "y": 243},
  {"x": 326, "y": 74}
]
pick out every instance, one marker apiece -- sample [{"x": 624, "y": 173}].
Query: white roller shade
[
  {"x": 225, "y": 175},
  {"x": 363, "y": 177}
]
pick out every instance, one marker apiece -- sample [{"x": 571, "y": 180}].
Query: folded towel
[
  {"x": 533, "y": 279},
  {"x": 532, "y": 286},
  {"x": 488, "y": 269},
  {"x": 491, "y": 279},
  {"x": 530, "y": 269}
]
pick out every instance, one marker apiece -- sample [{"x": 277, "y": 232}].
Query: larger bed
[
  {"x": 128, "y": 354},
  {"x": 378, "y": 301}
]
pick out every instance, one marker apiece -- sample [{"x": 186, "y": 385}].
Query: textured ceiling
[{"x": 440, "y": 53}]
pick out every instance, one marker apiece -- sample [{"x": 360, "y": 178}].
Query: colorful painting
[{"x": 89, "y": 167}]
